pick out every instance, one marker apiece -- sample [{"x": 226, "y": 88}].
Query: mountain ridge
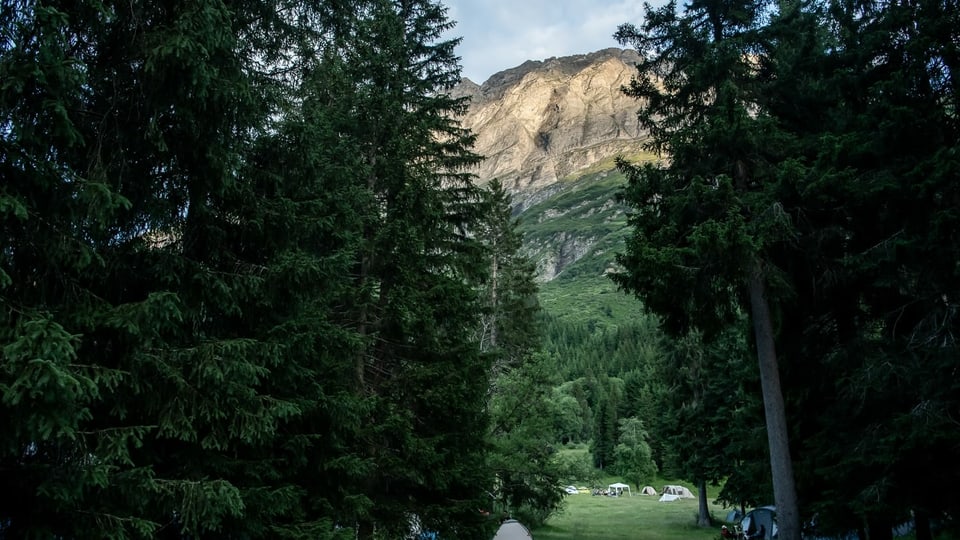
[
  {"x": 550, "y": 130},
  {"x": 547, "y": 121}
]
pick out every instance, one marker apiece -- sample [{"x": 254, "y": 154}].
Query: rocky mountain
[
  {"x": 549, "y": 130},
  {"x": 545, "y": 122}
]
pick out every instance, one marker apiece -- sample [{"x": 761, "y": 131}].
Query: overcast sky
[{"x": 501, "y": 34}]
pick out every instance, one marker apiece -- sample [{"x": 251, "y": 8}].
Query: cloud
[{"x": 500, "y": 34}]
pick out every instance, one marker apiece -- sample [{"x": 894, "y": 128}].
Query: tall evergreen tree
[
  {"x": 605, "y": 432},
  {"x": 134, "y": 200},
  {"x": 523, "y": 432},
  {"x": 875, "y": 173},
  {"x": 195, "y": 195},
  {"x": 510, "y": 325},
  {"x": 417, "y": 274},
  {"x": 704, "y": 220}
]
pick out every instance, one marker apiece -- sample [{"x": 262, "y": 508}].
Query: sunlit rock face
[{"x": 545, "y": 121}]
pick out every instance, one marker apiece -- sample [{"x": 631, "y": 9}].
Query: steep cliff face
[
  {"x": 547, "y": 121},
  {"x": 549, "y": 131}
]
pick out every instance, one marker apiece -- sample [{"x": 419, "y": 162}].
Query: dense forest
[
  {"x": 809, "y": 194},
  {"x": 248, "y": 284},
  {"x": 250, "y": 288}
]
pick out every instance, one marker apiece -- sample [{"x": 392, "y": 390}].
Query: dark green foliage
[
  {"x": 879, "y": 267},
  {"x": 687, "y": 253},
  {"x": 524, "y": 417},
  {"x": 606, "y": 433},
  {"x": 711, "y": 417},
  {"x": 212, "y": 215},
  {"x": 609, "y": 374},
  {"x": 511, "y": 328},
  {"x": 579, "y": 349},
  {"x": 705, "y": 220},
  {"x": 416, "y": 275},
  {"x": 524, "y": 454},
  {"x": 115, "y": 252},
  {"x": 633, "y": 458},
  {"x": 826, "y": 144}
]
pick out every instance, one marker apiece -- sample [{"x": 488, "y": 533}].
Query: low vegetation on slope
[{"x": 573, "y": 236}]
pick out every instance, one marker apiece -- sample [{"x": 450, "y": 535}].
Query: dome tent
[
  {"x": 672, "y": 493},
  {"x": 512, "y": 529},
  {"x": 760, "y": 523}
]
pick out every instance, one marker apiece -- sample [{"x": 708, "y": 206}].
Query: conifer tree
[
  {"x": 874, "y": 176},
  {"x": 417, "y": 274},
  {"x": 129, "y": 180},
  {"x": 150, "y": 269},
  {"x": 706, "y": 219},
  {"x": 605, "y": 433},
  {"x": 522, "y": 437},
  {"x": 510, "y": 326},
  {"x": 840, "y": 96}
]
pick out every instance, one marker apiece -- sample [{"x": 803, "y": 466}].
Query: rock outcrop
[{"x": 545, "y": 121}]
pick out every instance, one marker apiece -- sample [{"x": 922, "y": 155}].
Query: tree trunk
[
  {"x": 495, "y": 312},
  {"x": 365, "y": 529},
  {"x": 921, "y": 522},
  {"x": 879, "y": 528},
  {"x": 703, "y": 516},
  {"x": 781, "y": 468}
]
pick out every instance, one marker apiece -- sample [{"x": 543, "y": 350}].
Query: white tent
[
  {"x": 672, "y": 493},
  {"x": 512, "y": 529},
  {"x": 617, "y": 489},
  {"x": 679, "y": 491},
  {"x": 648, "y": 490}
]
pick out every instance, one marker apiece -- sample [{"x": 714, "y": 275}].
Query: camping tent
[
  {"x": 648, "y": 490},
  {"x": 680, "y": 491},
  {"x": 672, "y": 493},
  {"x": 617, "y": 489},
  {"x": 512, "y": 529},
  {"x": 760, "y": 523}
]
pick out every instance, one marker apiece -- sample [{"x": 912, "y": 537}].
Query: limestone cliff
[{"x": 546, "y": 121}]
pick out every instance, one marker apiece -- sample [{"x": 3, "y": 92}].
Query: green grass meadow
[{"x": 640, "y": 517}]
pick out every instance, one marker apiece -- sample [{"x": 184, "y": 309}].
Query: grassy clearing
[{"x": 640, "y": 517}]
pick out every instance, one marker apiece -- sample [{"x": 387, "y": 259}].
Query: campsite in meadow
[
  {"x": 628, "y": 517},
  {"x": 636, "y": 517}
]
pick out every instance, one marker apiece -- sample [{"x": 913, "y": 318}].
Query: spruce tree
[
  {"x": 511, "y": 327},
  {"x": 705, "y": 220},
  {"x": 149, "y": 269},
  {"x": 417, "y": 270},
  {"x": 875, "y": 172}
]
